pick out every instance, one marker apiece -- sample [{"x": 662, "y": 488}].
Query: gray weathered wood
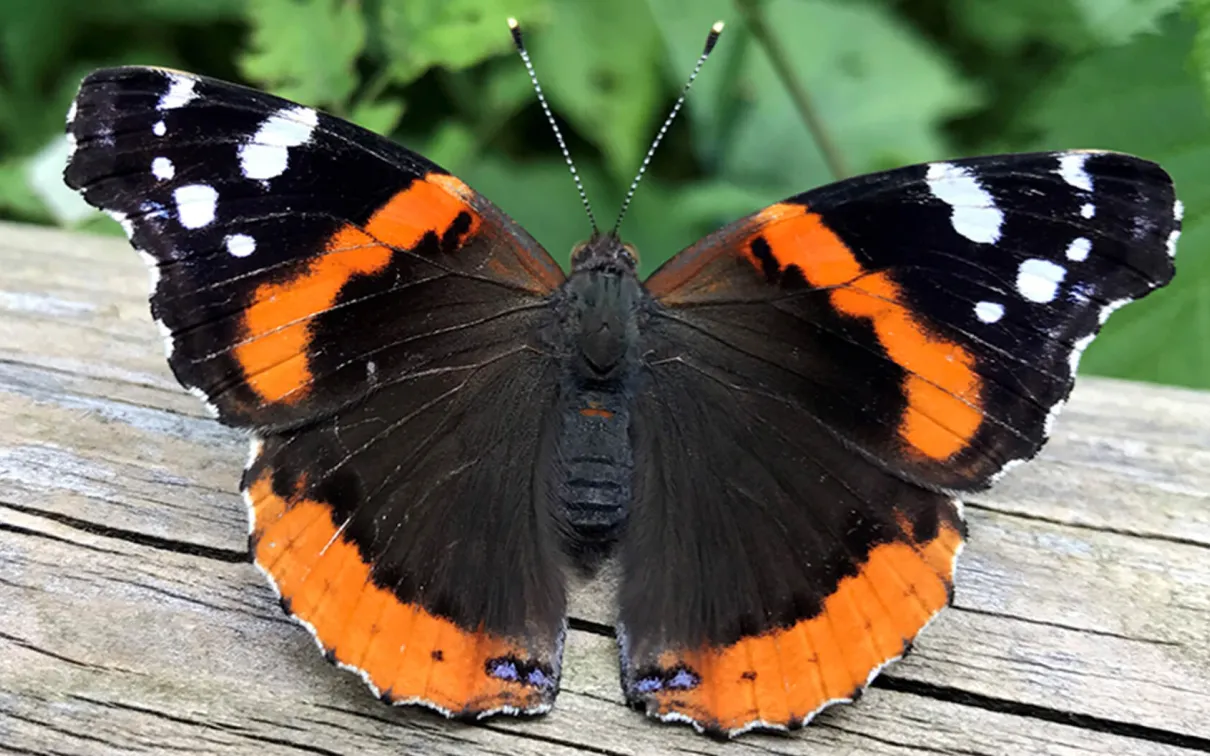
[{"x": 129, "y": 621}]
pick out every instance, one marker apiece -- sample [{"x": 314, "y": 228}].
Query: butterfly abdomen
[{"x": 597, "y": 465}]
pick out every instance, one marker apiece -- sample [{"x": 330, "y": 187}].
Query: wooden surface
[{"x": 131, "y": 622}]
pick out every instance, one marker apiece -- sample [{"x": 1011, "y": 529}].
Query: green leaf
[
  {"x": 880, "y": 91},
  {"x": 452, "y": 146},
  {"x": 379, "y": 116},
  {"x": 33, "y": 36},
  {"x": 171, "y": 11},
  {"x": 1006, "y": 27},
  {"x": 305, "y": 50},
  {"x": 17, "y": 197},
  {"x": 506, "y": 90},
  {"x": 1200, "y": 10},
  {"x": 1115, "y": 22},
  {"x": 599, "y": 65},
  {"x": 1142, "y": 98},
  {"x": 44, "y": 177},
  {"x": 455, "y": 34}
]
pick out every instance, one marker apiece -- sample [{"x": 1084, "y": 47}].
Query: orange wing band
[
  {"x": 277, "y": 324},
  {"x": 407, "y": 654},
  {"x": 943, "y": 390},
  {"x": 782, "y": 678}
]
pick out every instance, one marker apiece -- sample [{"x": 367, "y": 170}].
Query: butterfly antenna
[
  {"x": 711, "y": 39},
  {"x": 515, "y": 28}
]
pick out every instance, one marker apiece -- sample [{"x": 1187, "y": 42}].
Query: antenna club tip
[
  {"x": 514, "y": 26},
  {"x": 711, "y": 38}
]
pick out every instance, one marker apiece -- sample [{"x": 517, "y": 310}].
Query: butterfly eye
[
  {"x": 577, "y": 251},
  {"x": 632, "y": 251}
]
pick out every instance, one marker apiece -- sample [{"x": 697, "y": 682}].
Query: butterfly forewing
[
  {"x": 933, "y": 316},
  {"x": 297, "y": 259}
]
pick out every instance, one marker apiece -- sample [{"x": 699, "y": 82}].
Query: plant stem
[{"x": 753, "y": 15}]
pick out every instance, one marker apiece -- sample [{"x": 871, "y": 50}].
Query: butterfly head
[
  {"x": 606, "y": 253},
  {"x": 600, "y": 304}
]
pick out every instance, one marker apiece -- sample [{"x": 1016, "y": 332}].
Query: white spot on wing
[
  {"x": 1087, "y": 210},
  {"x": 255, "y": 447},
  {"x": 153, "y": 271},
  {"x": 123, "y": 221},
  {"x": 1178, "y": 210},
  {"x": 195, "y": 204},
  {"x": 1052, "y": 415},
  {"x": 974, "y": 213},
  {"x": 163, "y": 169},
  {"x": 159, "y": 129},
  {"x": 240, "y": 245},
  {"x": 1038, "y": 280},
  {"x": 1172, "y": 239},
  {"x": 1077, "y": 351},
  {"x": 266, "y": 155},
  {"x": 989, "y": 312},
  {"x": 1009, "y": 465},
  {"x": 180, "y": 91},
  {"x": 166, "y": 335},
  {"x": 71, "y": 112},
  {"x": 210, "y": 408},
  {"x": 1078, "y": 250},
  {"x": 1071, "y": 168}
]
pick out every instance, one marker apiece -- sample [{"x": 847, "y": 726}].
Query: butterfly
[{"x": 769, "y": 435}]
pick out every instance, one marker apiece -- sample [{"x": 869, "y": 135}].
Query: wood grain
[{"x": 131, "y": 622}]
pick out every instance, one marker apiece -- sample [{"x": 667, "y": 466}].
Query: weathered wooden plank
[
  {"x": 128, "y": 621},
  {"x": 213, "y": 649},
  {"x": 146, "y": 649}
]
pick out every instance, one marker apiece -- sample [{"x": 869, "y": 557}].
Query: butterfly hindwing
[
  {"x": 375, "y": 322},
  {"x": 818, "y": 376},
  {"x": 277, "y": 234},
  {"x": 768, "y": 571},
  {"x": 406, "y": 534}
]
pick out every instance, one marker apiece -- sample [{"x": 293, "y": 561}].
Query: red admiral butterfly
[{"x": 770, "y": 433}]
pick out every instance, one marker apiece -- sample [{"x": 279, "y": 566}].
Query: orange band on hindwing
[
  {"x": 783, "y": 677},
  {"x": 277, "y": 324},
  {"x": 942, "y": 388},
  {"x": 405, "y": 652}
]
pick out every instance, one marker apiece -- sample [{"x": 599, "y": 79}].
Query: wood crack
[
  {"x": 130, "y": 536},
  {"x": 1060, "y": 626},
  {"x": 16, "y": 641},
  {"x": 1045, "y": 713},
  {"x": 1161, "y": 537}
]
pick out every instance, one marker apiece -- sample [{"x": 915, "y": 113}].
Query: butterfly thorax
[{"x": 599, "y": 316}]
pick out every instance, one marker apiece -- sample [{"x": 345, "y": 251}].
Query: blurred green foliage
[{"x": 893, "y": 82}]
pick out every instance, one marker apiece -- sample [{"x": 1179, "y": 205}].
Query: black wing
[
  {"x": 818, "y": 375},
  {"x": 376, "y": 321}
]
